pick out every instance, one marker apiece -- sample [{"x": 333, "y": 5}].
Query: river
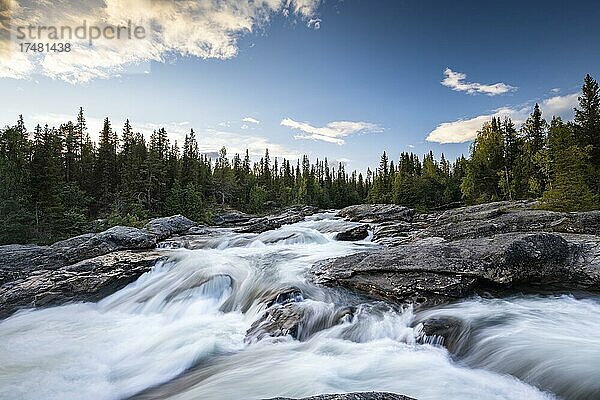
[{"x": 179, "y": 332}]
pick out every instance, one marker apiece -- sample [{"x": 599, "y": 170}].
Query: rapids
[{"x": 179, "y": 332}]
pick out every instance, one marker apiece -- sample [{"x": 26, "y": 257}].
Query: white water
[{"x": 187, "y": 320}]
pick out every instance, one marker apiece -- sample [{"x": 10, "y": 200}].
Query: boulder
[
  {"x": 168, "y": 226},
  {"x": 435, "y": 271},
  {"x": 232, "y": 218},
  {"x": 355, "y": 233},
  {"x": 376, "y": 213}
]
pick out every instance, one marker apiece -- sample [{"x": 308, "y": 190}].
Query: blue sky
[{"x": 343, "y": 79}]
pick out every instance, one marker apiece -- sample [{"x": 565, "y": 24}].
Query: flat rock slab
[
  {"x": 289, "y": 215},
  {"x": 87, "y": 280},
  {"x": 83, "y": 268},
  {"x": 430, "y": 272},
  {"x": 376, "y": 213}
]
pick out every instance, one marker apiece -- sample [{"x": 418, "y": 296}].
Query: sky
[{"x": 342, "y": 79}]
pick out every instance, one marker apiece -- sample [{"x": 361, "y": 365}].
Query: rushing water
[{"x": 184, "y": 325}]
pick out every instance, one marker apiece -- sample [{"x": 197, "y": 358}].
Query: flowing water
[{"x": 179, "y": 332}]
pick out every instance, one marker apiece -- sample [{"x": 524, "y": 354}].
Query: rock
[
  {"x": 442, "y": 331},
  {"x": 17, "y": 261},
  {"x": 87, "y": 280},
  {"x": 355, "y": 233},
  {"x": 83, "y": 268},
  {"x": 289, "y": 215},
  {"x": 376, "y": 213},
  {"x": 168, "y": 226},
  {"x": 353, "y": 396},
  {"x": 392, "y": 233},
  {"x": 232, "y": 218},
  {"x": 430, "y": 272},
  {"x": 288, "y": 313},
  {"x": 484, "y": 220},
  {"x": 278, "y": 320}
]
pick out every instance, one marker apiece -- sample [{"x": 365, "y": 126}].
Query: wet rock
[
  {"x": 289, "y": 215},
  {"x": 291, "y": 296},
  {"x": 353, "y": 396},
  {"x": 430, "y": 272},
  {"x": 376, "y": 213},
  {"x": 443, "y": 331},
  {"x": 355, "y": 233},
  {"x": 278, "y": 320},
  {"x": 169, "y": 226}
]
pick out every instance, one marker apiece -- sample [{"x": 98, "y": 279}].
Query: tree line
[{"x": 56, "y": 182}]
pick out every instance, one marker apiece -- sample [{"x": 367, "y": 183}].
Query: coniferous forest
[{"x": 55, "y": 182}]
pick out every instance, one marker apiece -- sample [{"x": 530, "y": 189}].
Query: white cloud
[
  {"x": 456, "y": 81},
  {"x": 201, "y": 28},
  {"x": 465, "y": 130},
  {"x": 555, "y": 90},
  {"x": 314, "y": 23},
  {"x": 251, "y": 120},
  {"x": 561, "y": 106},
  {"x": 244, "y": 127},
  {"x": 333, "y": 132}
]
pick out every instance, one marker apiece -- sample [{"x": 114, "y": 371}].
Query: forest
[{"x": 55, "y": 182}]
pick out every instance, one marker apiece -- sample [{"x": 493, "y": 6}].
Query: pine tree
[
  {"x": 106, "y": 167},
  {"x": 534, "y": 133},
  {"x": 568, "y": 190},
  {"x": 587, "y": 129}
]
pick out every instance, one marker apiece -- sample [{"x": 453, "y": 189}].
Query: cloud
[
  {"x": 209, "y": 140},
  {"x": 333, "y": 132},
  {"x": 456, "y": 81},
  {"x": 561, "y": 106},
  {"x": 314, "y": 23},
  {"x": 465, "y": 130},
  {"x": 196, "y": 28},
  {"x": 251, "y": 120},
  {"x": 555, "y": 90}
]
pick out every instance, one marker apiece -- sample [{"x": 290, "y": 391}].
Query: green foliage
[{"x": 487, "y": 177}]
